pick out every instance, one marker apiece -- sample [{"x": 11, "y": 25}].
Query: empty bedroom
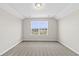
[{"x": 39, "y": 29}]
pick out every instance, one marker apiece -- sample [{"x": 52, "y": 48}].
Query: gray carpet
[{"x": 40, "y": 49}]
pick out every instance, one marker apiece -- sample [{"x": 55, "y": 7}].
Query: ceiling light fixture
[{"x": 38, "y": 5}]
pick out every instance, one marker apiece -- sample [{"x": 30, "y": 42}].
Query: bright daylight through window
[{"x": 40, "y": 27}]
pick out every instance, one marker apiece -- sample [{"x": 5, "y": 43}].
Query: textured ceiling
[{"x": 24, "y": 10}]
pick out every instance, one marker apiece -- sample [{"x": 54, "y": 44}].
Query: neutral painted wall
[
  {"x": 69, "y": 31},
  {"x": 10, "y": 31},
  {"x": 52, "y": 30}
]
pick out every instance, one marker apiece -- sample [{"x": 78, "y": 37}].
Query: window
[{"x": 40, "y": 27}]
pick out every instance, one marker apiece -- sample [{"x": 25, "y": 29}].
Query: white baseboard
[
  {"x": 69, "y": 47},
  {"x": 10, "y": 48},
  {"x": 40, "y": 40}
]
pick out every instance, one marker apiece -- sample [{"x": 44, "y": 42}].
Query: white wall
[
  {"x": 69, "y": 31},
  {"x": 52, "y": 30},
  {"x": 10, "y": 31}
]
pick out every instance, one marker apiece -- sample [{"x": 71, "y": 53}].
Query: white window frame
[{"x": 38, "y": 31}]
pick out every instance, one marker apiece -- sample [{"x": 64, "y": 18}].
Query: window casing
[{"x": 39, "y": 27}]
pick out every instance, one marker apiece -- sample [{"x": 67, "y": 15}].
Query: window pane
[
  {"x": 40, "y": 27},
  {"x": 35, "y": 31},
  {"x": 43, "y": 31}
]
